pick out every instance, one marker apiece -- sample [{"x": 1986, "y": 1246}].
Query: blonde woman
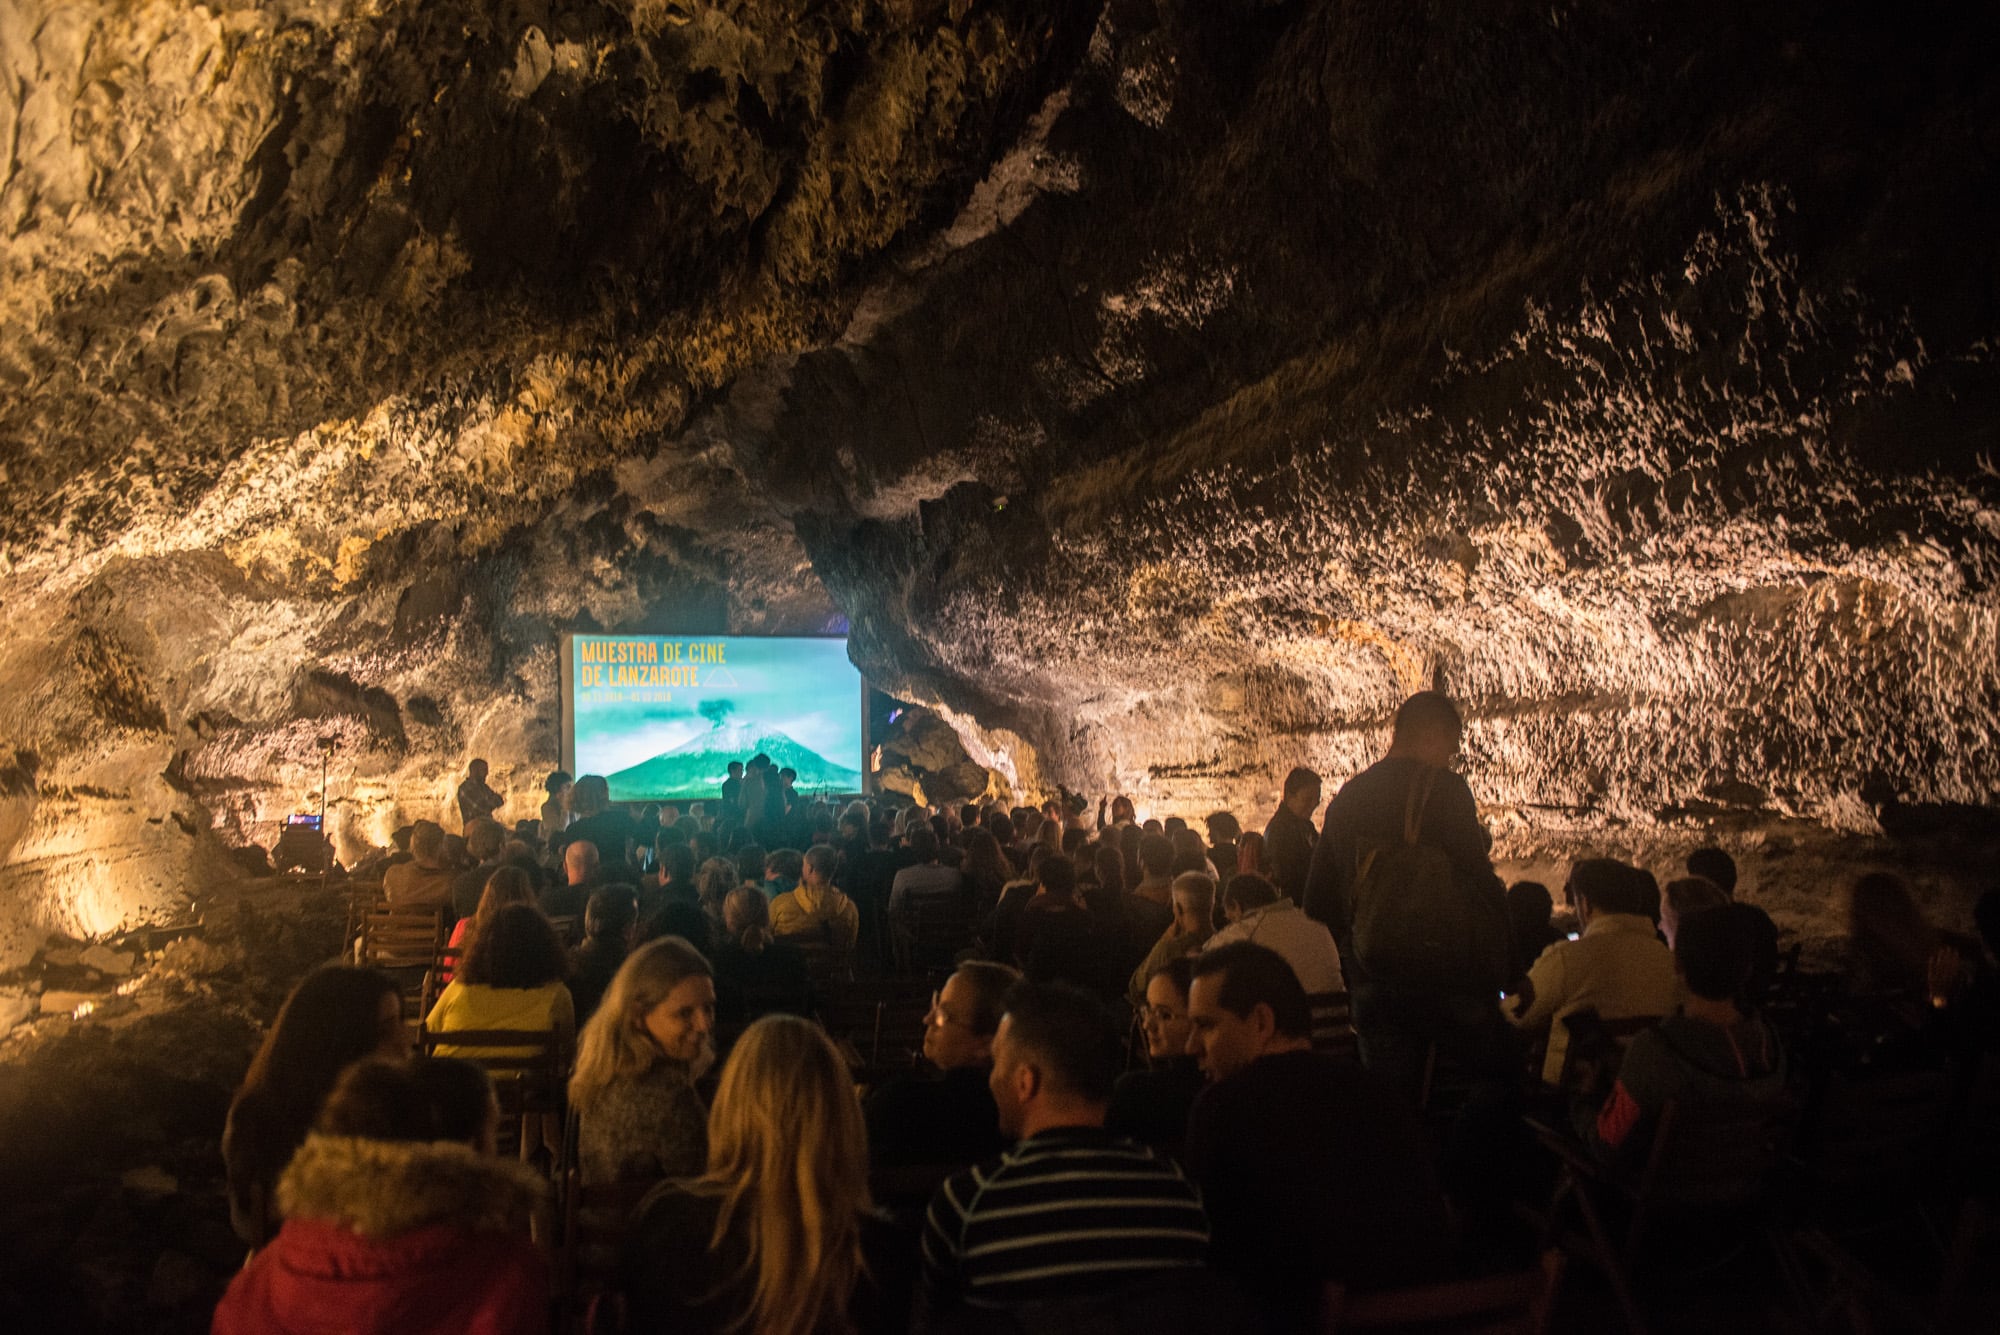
[
  {"x": 639, "y": 1116},
  {"x": 778, "y": 1236}
]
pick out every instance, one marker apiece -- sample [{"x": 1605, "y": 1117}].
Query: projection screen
[{"x": 661, "y": 716}]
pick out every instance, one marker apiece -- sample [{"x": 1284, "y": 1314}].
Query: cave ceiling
[{"x": 1159, "y": 391}]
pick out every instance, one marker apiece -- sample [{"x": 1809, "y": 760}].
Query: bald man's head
[{"x": 580, "y": 861}]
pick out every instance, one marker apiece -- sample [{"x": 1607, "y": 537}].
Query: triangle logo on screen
[{"x": 719, "y": 676}]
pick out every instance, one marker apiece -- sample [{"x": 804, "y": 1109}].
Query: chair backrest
[
  {"x": 825, "y": 963},
  {"x": 940, "y": 926},
  {"x": 882, "y": 1020},
  {"x": 1333, "y": 1024},
  {"x": 1596, "y": 1048},
  {"x": 1716, "y": 1156},
  {"x": 853, "y": 1014},
  {"x": 529, "y": 1066},
  {"x": 362, "y": 896},
  {"x": 393, "y": 938},
  {"x": 440, "y": 974},
  {"x": 899, "y": 1030},
  {"x": 596, "y": 1222},
  {"x": 1511, "y": 1304}
]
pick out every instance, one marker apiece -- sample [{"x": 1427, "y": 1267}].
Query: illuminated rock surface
[{"x": 1159, "y": 391}]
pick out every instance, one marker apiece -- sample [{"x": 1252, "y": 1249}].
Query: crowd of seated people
[{"x": 1119, "y": 1089}]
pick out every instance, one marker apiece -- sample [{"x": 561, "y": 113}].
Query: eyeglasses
[
  {"x": 1159, "y": 1014},
  {"x": 939, "y": 1016}
]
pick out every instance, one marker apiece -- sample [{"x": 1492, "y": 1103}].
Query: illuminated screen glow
[{"x": 661, "y": 716}]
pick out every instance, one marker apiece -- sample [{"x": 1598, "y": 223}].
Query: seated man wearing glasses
[{"x": 948, "y": 1117}]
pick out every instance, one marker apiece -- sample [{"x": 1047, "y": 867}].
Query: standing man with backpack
[{"x": 1401, "y": 876}]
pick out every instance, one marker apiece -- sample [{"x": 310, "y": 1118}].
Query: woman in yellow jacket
[{"x": 512, "y": 978}]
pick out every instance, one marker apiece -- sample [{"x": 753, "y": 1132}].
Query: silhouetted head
[
  {"x": 1715, "y": 866},
  {"x": 1428, "y": 728}
]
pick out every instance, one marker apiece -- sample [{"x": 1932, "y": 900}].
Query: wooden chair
[
  {"x": 1871, "y": 1157},
  {"x": 438, "y": 977},
  {"x": 1135, "y": 1042},
  {"x": 934, "y": 929},
  {"x": 883, "y": 1019},
  {"x": 826, "y": 963},
  {"x": 1513, "y": 1304},
  {"x": 899, "y": 1030},
  {"x": 1596, "y": 1048},
  {"x": 399, "y": 938},
  {"x": 403, "y": 943},
  {"x": 530, "y": 1069},
  {"x": 851, "y": 1015},
  {"x": 1333, "y": 1025},
  {"x": 361, "y": 898},
  {"x": 596, "y": 1222},
  {"x": 1713, "y": 1163}
]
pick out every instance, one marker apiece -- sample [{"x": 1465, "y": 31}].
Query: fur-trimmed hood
[{"x": 384, "y": 1188}]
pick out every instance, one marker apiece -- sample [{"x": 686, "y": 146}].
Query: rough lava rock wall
[{"x": 1159, "y": 389}]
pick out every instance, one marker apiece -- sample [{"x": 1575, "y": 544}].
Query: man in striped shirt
[{"x": 1072, "y": 1210}]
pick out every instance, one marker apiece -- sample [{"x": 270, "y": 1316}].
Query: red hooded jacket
[{"x": 395, "y": 1238}]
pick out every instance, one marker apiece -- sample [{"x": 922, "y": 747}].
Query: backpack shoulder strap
[{"x": 1413, "y": 813}]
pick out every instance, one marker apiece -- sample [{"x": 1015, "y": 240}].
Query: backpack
[{"x": 1415, "y": 925}]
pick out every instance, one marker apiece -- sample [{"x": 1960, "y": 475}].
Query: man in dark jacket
[
  {"x": 609, "y": 829},
  {"x": 1347, "y": 1193},
  {"x": 1396, "y": 1022},
  {"x": 477, "y": 801},
  {"x": 1290, "y": 837}
]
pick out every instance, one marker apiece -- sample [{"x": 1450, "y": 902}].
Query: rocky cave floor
[
  {"x": 111, "y": 1124},
  {"x": 110, "y": 1119}
]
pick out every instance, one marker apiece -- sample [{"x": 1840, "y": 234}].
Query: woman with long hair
[
  {"x": 717, "y": 877},
  {"x": 633, "y": 1084},
  {"x": 1252, "y": 859},
  {"x": 1893, "y": 952},
  {"x": 778, "y": 1235},
  {"x": 1110, "y": 867},
  {"x": 336, "y": 1015},
  {"x": 756, "y": 970},
  {"x": 986, "y": 869},
  {"x": 513, "y": 977},
  {"x": 507, "y": 885}
]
